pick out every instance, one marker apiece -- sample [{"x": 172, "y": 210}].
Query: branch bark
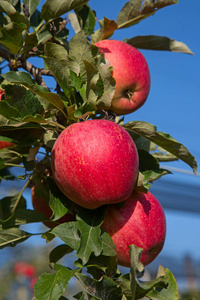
[{"x": 33, "y": 70}]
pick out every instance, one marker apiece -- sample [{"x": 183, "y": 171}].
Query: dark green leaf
[
  {"x": 164, "y": 140},
  {"x": 8, "y": 111},
  {"x": 24, "y": 216},
  {"x": 59, "y": 203},
  {"x": 135, "y": 11},
  {"x": 58, "y": 253},
  {"x": 89, "y": 222},
  {"x": 12, "y": 236},
  {"x": 54, "y": 9},
  {"x": 8, "y": 205},
  {"x": 24, "y": 133},
  {"x": 150, "y": 168},
  {"x": 25, "y": 79},
  {"x": 87, "y": 19},
  {"x": 59, "y": 210},
  {"x": 23, "y": 100},
  {"x": 11, "y": 36},
  {"x": 104, "y": 289},
  {"x": 101, "y": 265},
  {"x": 154, "y": 42},
  {"x": 30, "y": 42}
]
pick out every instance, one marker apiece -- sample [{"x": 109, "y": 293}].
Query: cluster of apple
[{"x": 95, "y": 163}]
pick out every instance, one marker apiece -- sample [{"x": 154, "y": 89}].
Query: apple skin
[
  {"x": 131, "y": 73},
  {"x": 40, "y": 204},
  {"x": 5, "y": 144},
  {"x": 95, "y": 162},
  {"x": 140, "y": 221}
]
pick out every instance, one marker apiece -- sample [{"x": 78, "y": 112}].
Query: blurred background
[{"x": 173, "y": 106}]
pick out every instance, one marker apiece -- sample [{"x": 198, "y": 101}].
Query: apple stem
[{"x": 128, "y": 94}]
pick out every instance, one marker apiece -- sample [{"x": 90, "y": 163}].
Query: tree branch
[{"x": 34, "y": 71}]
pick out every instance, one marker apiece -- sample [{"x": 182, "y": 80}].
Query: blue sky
[{"x": 173, "y": 104}]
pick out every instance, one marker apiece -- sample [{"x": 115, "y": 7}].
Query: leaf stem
[
  {"x": 13, "y": 165},
  {"x": 20, "y": 194},
  {"x": 57, "y": 125}
]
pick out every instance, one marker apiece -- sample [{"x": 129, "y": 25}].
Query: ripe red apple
[
  {"x": 5, "y": 144},
  {"x": 131, "y": 73},
  {"x": 140, "y": 221},
  {"x": 95, "y": 162},
  {"x": 40, "y": 204}
]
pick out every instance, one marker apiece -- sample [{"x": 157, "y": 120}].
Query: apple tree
[{"x": 36, "y": 50}]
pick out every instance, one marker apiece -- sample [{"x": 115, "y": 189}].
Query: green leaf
[
  {"x": 107, "y": 29},
  {"x": 54, "y": 9},
  {"x": 139, "y": 288},
  {"x": 60, "y": 64},
  {"x": 58, "y": 202},
  {"x": 131, "y": 14},
  {"x": 101, "y": 265},
  {"x": 58, "y": 252},
  {"x": 163, "y": 140},
  {"x": 30, "y": 42},
  {"x": 68, "y": 233},
  {"x": 12, "y": 236},
  {"x": 108, "y": 246},
  {"x": 59, "y": 210},
  {"x": 9, "y": 111},
  {"x": 11, "y": 36},
  {"x": 80, "y": 50},
  {"x": 25, "y": 134},
  {"x": 52, "y": 286},
  {"x": 171, "y": 292},
  {"x": 25, "y": 79},
  {"x": 7, "y": 7},
  {"x": 89, "y": 222},
  {"x": 14, "y": 15},
  {"x": 32, "y": 5},
  {"x": 107, "y": 87},
  {"x": 86, "y": 18},
  {"x": 150, "y": 168},
  {"x": 154, "y": 42},
  {"x": 22, "y": 99},
  {"x": 103, "y": 289},
  {"x": 135, "y": 11},
  {"x": 100, "y": 86},
  {"x": 8, "y": 205},
  {"x": 23, "y": 216}
]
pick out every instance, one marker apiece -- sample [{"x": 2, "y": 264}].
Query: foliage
[{"x": 32, "y": 116}]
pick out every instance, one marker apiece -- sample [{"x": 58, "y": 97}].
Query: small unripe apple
[
  {"x": 140, "y": 221},
  {"x": 40, "y": 204},
  {"x": 95, "y": 162},
  {"x": 131, "y": 73}
]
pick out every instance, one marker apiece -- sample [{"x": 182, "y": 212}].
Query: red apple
[
  {"x": 95, "y": 162},
  {"x": 5, "y": 144},
  {"x": 40, "y": 204},
  {"x": 131, "y": 73},
  {"x": 140, "y": 221}
]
